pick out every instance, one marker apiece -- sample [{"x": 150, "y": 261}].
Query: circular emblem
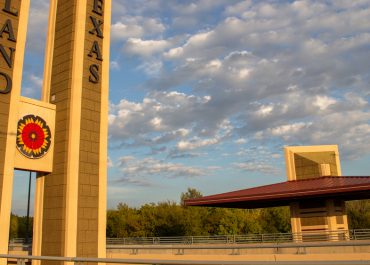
[{"x": 33, "y": 136}]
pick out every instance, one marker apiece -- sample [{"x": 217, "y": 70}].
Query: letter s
[{"x": 94, "y": 77}]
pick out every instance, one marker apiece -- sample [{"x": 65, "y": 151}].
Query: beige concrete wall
[
  {"x": 305, "y": 162},
  {"x": 174, "y": 250},
  {"x": 46, "y": 111},
  {"x": 308, "y": 164},
  {"x": 75, "y": 193},
  {"x": 269, "y": 254},
  {"x": 16, "y": 18},
  {"x": 90, "y": 139},
  {"x": 55, "y": 184}
]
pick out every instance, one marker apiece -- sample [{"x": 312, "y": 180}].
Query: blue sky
[{"x": 207, "y": 93}]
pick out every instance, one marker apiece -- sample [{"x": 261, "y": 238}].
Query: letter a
[
  {"x": 8, "y": 28},
  {"x": 96, "y": 49}
]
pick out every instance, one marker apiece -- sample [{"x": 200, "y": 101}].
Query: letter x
[{"x": 97, "y": 24}]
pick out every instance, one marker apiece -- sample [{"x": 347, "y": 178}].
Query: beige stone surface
[
  {"x": 9, "y": 112},
  {"x": 263, "y": 256},
  {"x": 74, "y": 200},
  {"x": 47, "y": 112},
  {"x": 304, "y": 162}
]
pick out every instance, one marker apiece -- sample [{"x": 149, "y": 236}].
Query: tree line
[
  {"x": 174, "y": 219},
  {"x": 18, "y": 226}
]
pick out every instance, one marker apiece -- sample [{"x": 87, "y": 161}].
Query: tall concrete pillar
[
  {"x": 73, "y": 219},
  {"x": 13, "y": 29}
]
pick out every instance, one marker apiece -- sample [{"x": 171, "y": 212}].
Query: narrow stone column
[
  {"x": 74, "y": 203},
  {"x": 13, "y": 30}
]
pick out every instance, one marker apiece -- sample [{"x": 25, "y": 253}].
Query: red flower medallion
[{"x": 33, "y": 136}]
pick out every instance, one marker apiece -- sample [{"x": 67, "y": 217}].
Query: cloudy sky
[{"x": 207, "y": 93}]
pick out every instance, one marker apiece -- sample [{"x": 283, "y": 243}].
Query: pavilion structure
[{"x": 315, "y": 192}]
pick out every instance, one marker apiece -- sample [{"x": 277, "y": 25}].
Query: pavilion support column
[
  {"x": 331, "y": 219},
  {"x": 295, "y": 222},
  {"x": 337, "y": 219},
  {"x": 345, "y": 222}
]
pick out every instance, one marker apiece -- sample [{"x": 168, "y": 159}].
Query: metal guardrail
[
  {"x": 359, "y": 234},
  {"x": 300, "y": 248},
  {"x": 355, "y": 234},
  {"x": 21, "y": 260}
]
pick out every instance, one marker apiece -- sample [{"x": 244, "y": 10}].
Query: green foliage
[
  {"x": 170, "y": 219},
  {"x": 276, "y": 220},
  {"x": 124, "y": 222},
  {"x": 18, "y": 226},
  {"x": 358, "y": 213},
  {"x": 191, "y": 193},
  {"x": 13, "y": 231}
]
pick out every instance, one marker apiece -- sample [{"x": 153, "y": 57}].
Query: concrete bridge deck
[{"x": 350, "y": 251}]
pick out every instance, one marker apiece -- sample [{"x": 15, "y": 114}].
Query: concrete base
[
  {"x": 262, "y": 257},
  {"x": 327, "y": 253}
]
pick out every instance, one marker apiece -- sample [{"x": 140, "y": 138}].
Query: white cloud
[
  {"x": 196, "y": 143},
  {"x": 136, "y": 27},
  {"x": 279, "y": 71},
  {"x": 34, "y": 86},
  {"x": 151, "y": 67},
  {"x": 137, "y": 46},
  {"x": 37, "y": 26},
  {"x": 36, "y": 80},
  {"x": 323, "y": 102},
  {"x": 223, "y": 131},
  {"x": 109, "y": 162},
  {"x": 241, "y": 141},
  {"x": 123, "y": 31},
  {"x": 114, "y": 65},
  {"x": 258, "y": 167},
  {"x": 150, "y": 168},
  {"x": 156, "y": 123},
  {"x": 265, "y": 110},
  {"x": 160, "y": 112},
  {"x": 194, "y": 42},
  {"x": 287, "y": 129},
  {"x": 238, "y": 8},
  {"x": 174, "y": 52},
  {"x": 214, "y": 64}
]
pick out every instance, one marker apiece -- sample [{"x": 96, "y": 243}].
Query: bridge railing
[
  {"x": 356, "y": 234},
  {"x": 22, "y": 260}
]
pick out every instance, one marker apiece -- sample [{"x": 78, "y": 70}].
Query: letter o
[{"x": 9, "y": 84}]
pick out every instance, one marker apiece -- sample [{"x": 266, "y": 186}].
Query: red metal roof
[{"x": 281, "y": 194}]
